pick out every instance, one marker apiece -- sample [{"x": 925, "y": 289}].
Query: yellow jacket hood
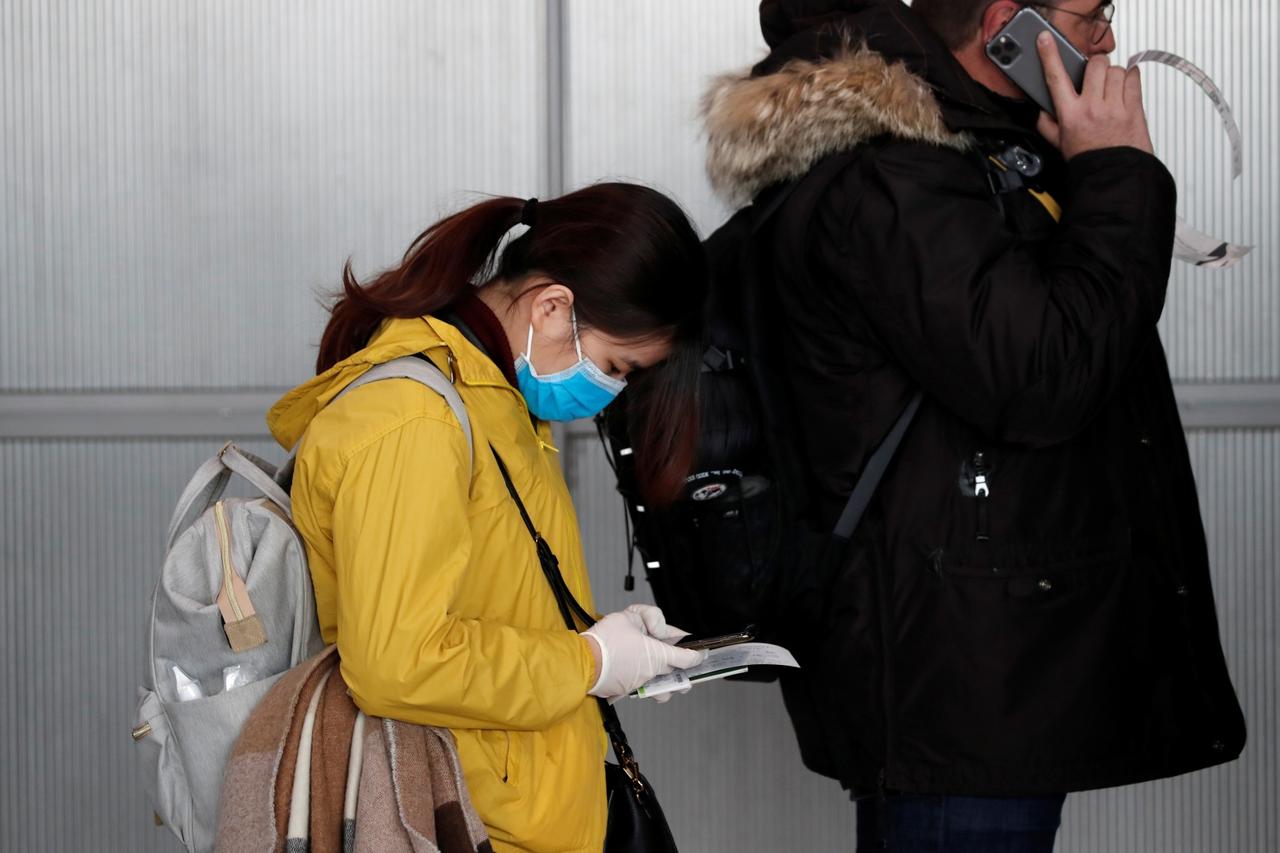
[{"x": 289, "y": 417}]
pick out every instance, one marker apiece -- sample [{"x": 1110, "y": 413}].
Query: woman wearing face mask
[{"x": 425, "y": 574}]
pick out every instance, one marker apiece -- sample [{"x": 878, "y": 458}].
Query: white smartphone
[{"x": 1014, "y": 52}]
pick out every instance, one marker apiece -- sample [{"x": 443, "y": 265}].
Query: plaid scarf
[{"x": 312, "y": 774}]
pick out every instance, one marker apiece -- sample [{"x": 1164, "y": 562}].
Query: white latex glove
[
  {"x": 635, "y": 646},
  {"x": 655, "y": 624},
  {"x": 666, "y": 697}
]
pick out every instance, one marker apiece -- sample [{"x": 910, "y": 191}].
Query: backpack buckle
[{"x": 716, "y": 360}]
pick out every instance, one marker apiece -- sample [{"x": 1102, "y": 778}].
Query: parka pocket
[{"x": 1052, "y": 650}]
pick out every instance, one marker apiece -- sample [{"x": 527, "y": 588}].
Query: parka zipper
[{"x": 981, "y": 493}]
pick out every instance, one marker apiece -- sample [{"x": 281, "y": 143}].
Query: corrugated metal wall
[
  {"x": 1222, "y": 326},
  {"x": 181, "y": 179}
]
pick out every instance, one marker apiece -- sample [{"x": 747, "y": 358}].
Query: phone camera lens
[{"x": 1005, "y": 50}]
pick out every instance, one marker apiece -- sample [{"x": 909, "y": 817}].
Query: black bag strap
[
  {"x": 815, "y": 183},
  {"x": 570, "y": 610},
  {"x": 873, "y": 473}
]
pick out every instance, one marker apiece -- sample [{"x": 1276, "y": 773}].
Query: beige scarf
[{"x": 312, "y": 774}]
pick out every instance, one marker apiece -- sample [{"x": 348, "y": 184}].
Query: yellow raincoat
[{"x": 429, "y": 582}]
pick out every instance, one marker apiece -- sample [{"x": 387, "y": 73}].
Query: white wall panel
[
  {"x": 636, "y": 72},
  {"x": 182, "y": 179},
  {"x": 82, "y": 529},
  {"x": 1236, "y": 807},
  {"x": 1218, "y": 325},
  {"x": 637, "y": 69}
]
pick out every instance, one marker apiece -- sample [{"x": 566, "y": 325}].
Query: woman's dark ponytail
[
  {"x": 636, "y": 269},
  {"x": 437, "y": 269}
]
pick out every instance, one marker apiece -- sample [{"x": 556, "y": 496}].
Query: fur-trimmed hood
[
  {"x": 839, "y": 72},
  {"x": 766, "y": 129}
]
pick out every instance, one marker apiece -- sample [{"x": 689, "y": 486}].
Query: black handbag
[{"x": 636, "y": 822}]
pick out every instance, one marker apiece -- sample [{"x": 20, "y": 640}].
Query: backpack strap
[
  {"x": 1011, "y": 168},
  {"x": 210, "y": 481},
  {"x": 418, "y": 368},
  {"x": 806, "y": 193},
  {"x": 874, "y": 470}
]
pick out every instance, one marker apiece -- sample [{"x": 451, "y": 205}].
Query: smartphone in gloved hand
[
  {"x": 746, "y": 635},
  {"x": 1013, "y": 50}
]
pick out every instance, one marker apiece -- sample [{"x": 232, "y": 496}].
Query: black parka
[{"x": 1026, "y": 607}]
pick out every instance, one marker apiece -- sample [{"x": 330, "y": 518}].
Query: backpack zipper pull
[{"x": 982, "y": 493}]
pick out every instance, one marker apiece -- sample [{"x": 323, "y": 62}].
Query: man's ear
[{"x": 995, "y": 18}]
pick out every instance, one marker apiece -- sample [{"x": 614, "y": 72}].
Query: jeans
[{"x": 912, "y": 823}]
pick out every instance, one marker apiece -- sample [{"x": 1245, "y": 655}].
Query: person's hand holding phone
[
  {"x": 1106, "y": 113},
  {"x": 634, "y": 645}
]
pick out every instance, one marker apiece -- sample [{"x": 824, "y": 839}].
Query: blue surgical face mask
[{"x": 576, "y": 392}]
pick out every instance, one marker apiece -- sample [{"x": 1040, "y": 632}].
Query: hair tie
[{"x": 529, "y": 213}]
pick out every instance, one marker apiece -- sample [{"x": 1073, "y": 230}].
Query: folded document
[{"x": 720, "y": 663}]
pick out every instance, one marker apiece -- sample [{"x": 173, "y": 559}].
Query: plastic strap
[{"x": 873, "y": 473}]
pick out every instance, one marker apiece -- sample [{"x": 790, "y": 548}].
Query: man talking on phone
[{"x": 1025, "y": 609}]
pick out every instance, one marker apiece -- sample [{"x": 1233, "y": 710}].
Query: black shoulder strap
[
  {"x": 569, "y": 610},
  {"x": 815, "y": 182},
  {"x": 873, "y": 473}
]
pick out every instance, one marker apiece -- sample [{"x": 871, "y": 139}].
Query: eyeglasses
[{"x": 1100, "y": 18}]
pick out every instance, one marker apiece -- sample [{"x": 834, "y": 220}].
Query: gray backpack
[{"x": 233, "y": 610}]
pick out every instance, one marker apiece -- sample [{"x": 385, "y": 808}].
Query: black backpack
[{"x": 737, "y": 548}]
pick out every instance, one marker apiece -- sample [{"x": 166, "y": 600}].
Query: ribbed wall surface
[
  {"x": 182, "y": 179},
  {"x": 81, "y": 528},
  {"x": 1234, "y": 808},
  {"x": 81, "y": 539},
  {"x": 1218, "y": 325},
  {"x": 637, "y": 69},
  {"x": 636, "y": 73}
]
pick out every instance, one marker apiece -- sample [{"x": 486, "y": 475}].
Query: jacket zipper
[
  {"x": 981, "y": 493},
  {"x": 224, "y": 549}
]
